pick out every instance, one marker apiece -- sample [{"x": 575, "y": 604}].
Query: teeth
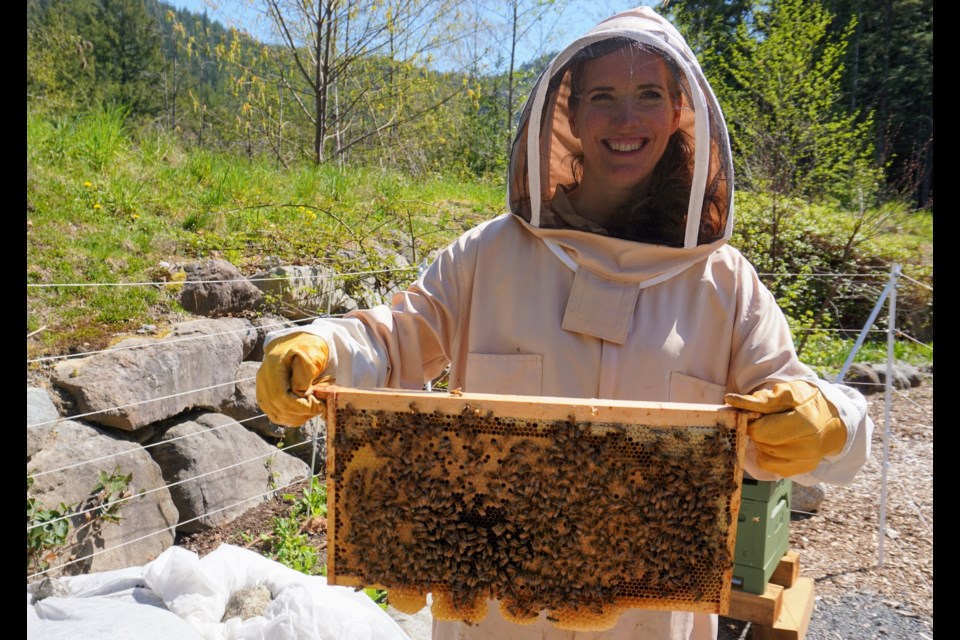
[{"x": 622, "y": 146}]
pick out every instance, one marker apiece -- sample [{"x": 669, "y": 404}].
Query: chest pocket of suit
[
  {"x": 517, "y": 373},
  {"x": 684, "y": 388}
]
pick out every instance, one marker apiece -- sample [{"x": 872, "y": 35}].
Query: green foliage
[
  {"x": 127, "y": 48},
  {"x": 826, "y": 353},
  {"x": 826, "y": 282},
  {"x": 792, "y": 134},
  {"x": 379, "y": 596},
  {"x": 290, "y": 546},
  {"x": 288, "y": 542},
  {"x": 889, "y": 72},
  {"x": 60, "y": 61},
  {"x": 49, "y": 531}
]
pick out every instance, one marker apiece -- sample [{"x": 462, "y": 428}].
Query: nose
[{"x": 628, "y": 112}]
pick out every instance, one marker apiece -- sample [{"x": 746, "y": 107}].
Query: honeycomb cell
[
  {"x": 600, "y": 619},
  {"x": 514, "y": 612},
  {"x": 405, "y": 600},
  {"x": 447, "y": 607}
]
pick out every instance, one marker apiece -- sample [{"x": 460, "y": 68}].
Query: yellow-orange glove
[
  {"x": 292, "y": 366},
  {"x": 799, "y": 426}
]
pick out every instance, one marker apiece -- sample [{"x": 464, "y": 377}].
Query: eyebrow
[{"x": 648, "y": 85}]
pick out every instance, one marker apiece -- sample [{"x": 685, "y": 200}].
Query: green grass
[{"x": 107, "y": 203}]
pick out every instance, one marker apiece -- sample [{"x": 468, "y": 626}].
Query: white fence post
[{"x": 887, "y": 400}]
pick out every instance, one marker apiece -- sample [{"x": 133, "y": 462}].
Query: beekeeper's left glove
[{"x": 798, "y": 427}]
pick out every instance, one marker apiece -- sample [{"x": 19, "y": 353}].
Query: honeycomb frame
[{"x": 574, "y": 507}]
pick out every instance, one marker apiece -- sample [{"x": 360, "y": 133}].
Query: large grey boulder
[
  {"x": 264, "y": 325},
  {"x": 913, "y": 375},
  {"x": 863, "y": 378},
  {"x": 299, "y": 292},
  {"x": 871, "y": 378},
  {"x": 374, "y": 282},
  {"x": 308, "y": 443},
  {"x": 40, "y": 407},
  {"x": 217, "y": 470},
  {"x": 65, "y": 460},
  {"x": 899, "y": 377},
  {"x": 298, "y": 442},
  {"x": 216, "y": 288},
  {"x": 144, "y": 380}
]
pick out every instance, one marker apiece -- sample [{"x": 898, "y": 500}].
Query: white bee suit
[{"x": 524, "y": 304}]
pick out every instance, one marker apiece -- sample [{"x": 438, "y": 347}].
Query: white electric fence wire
[
  {"x": 836, "y": 330},
  {"x": 817, "y": 275},
  {"x": 901, "y": 334},
  {"x": 271, "y": 493},
  {"x": 159, "y": 343},
  {"x": 179, "y": 283},
  {"x": 418, "y": 268},
  {"x": 137, "y": 450},
  {"x": 134, "y": 404},
  {"x": 161, "y": 487},
  {"x": 916, "y": 282},
  {"x": 904, "y": 396},
  {"x": 887, "y": 403}
]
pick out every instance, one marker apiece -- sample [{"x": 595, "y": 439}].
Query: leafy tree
[
  {"x": 349, "y": 66},
  {"x": 709, "y": 26},
  {"x": 791, "y": 131}
]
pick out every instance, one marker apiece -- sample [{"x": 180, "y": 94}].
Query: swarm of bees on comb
[{"x": 547, "y": 506}]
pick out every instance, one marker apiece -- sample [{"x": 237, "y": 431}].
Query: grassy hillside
[{"x": 107, "y": 205}]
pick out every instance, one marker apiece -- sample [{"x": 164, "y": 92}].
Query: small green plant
[
  {"x": 289, "y": 543},
  {"x": 49, "y": 530}
]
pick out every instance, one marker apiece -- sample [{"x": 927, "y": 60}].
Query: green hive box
[{"x": 763, "y": 532}]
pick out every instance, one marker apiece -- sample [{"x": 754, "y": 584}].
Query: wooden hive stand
[{"x": 783, "y": 610}]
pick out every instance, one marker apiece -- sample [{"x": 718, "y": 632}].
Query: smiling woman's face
[{"x": 624, "y": 116}]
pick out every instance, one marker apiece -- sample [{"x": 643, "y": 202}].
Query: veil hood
[{"x": 544, "y": 147}]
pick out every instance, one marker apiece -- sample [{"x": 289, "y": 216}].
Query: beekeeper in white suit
[{"x": 611, "y": 277}]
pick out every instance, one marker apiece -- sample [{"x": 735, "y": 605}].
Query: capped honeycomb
[{"x": 576, "y": 508}]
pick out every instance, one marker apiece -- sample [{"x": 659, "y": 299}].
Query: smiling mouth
[{"x": 625, "y": 147}]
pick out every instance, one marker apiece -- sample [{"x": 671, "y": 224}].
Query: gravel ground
[{"x": 838, "y": 546}]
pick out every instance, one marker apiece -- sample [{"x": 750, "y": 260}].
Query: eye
[
  {"x": 649, "y": 95},
  {"x": 601, "y": 96}
]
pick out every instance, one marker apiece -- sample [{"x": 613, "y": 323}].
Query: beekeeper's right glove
[{"x": 292, "y": 367}]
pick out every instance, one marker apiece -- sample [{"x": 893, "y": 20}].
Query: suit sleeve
[
  {"x": 763, "y": 354},
  {"x": 407, "y": 343}
]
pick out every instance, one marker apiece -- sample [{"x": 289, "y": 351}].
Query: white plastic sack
[{"x": 180, "y": 596}]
